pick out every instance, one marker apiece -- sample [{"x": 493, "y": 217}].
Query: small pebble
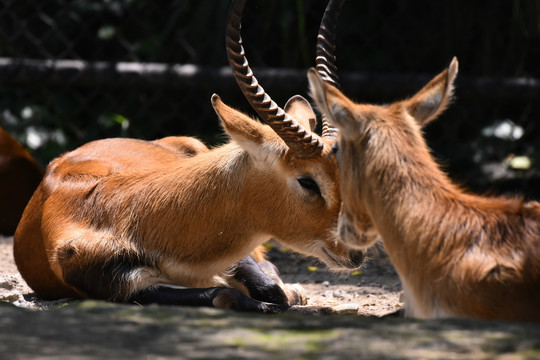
[{"x": 338, "y": 294}]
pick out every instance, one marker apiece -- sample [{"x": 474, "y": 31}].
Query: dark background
[{"x": 386, "y": 50}]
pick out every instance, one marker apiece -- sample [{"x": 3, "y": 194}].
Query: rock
[{"x": 346, "y": 308}]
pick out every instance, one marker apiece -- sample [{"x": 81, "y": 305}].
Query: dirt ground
[{"x": 373, "y": 290}]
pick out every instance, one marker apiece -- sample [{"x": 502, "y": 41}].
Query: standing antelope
[
  {"x": 19, "y": 177},
  {"x": 457, "y": 254},
  {"x": 136, "y": 221}
]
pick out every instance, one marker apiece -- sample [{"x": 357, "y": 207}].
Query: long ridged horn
[
  {"x": 325, "y": 56},
  {"x": 301, "y": 142}
]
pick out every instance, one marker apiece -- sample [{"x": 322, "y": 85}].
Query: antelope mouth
[{"x": 353, "y": 261}]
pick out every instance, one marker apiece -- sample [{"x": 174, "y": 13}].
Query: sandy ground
[{"x": 373, "y": 290}]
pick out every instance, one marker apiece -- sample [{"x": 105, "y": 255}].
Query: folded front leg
[{"x": 263, "y": 282}]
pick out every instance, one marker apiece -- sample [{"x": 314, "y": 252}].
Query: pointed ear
[
  {"x": 240, "y": 127},
  {"x": 301, "y": 111},
  {"x": 433, "y": 99},
  {"x": 332, "y": 103},
  {"x": 250, "y": 134}
]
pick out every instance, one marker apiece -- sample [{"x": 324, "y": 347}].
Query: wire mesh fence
[{"x": 76, "y": 70}]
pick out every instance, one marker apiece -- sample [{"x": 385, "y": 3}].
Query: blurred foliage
[{"x": 497, "y": 38}]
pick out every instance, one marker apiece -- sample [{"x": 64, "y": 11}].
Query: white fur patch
[{"x": 142, "y": 278}]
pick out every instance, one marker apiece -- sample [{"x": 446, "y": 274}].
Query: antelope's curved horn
[
  {"x": 325, "y": 57},
  {"x": 302, "y": 143}
]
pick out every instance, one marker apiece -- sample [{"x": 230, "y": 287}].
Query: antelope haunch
[
  {"x": 457, "y": 254},
  {"x": 19, "y": 177},
  {"x": 133, "y": 221}
]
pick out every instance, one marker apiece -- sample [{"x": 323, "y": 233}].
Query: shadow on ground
[{"x": 91, "y": 329}]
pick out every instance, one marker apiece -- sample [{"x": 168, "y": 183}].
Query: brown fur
[
  {"x": 119, "y": 215},
  {"x": 457, "y": 254},
  {"x": 19, "y": 177}
]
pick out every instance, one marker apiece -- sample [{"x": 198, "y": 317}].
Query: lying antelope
[
  {"x": 20, "y": 175},
  {"x": 172, "y": 222},
  {"x": 457, "y": 254}
]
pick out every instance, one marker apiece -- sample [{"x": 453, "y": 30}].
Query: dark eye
[
  {"x": 309, "y": 184},
  {"x": 334, "y": 150}
]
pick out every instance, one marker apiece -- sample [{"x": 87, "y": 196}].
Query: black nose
[{"x": 356, "y": 257}]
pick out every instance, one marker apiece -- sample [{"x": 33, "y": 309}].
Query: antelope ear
[
  {"x": 433, "y": 99},
  {"x": 301, "y": 111},
  {"x": 332, "y": 103},
  {"x": 250, "y": 134}
]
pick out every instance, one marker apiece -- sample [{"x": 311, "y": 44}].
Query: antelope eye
[
  {"x": 334, "y": 150},
  {"x": 309, "y": 184}
]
